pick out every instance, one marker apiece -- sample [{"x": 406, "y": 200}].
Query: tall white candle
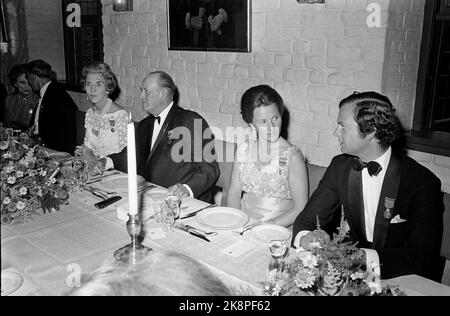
[{"x": 131, "y": 164}]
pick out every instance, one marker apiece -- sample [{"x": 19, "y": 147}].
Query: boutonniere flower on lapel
[
  {"x": 170, "y": 136},
  {"x": 389, "y": 205}
]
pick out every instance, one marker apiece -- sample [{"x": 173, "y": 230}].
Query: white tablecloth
[{"x": 48, "y": 250}]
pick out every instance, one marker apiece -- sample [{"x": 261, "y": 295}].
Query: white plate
[
  {"x": 221, "y": 218},
  {"x": 11, "y": 282},
  {"x": 119, "y": 182},
  {"x": 267, "y": 232}
]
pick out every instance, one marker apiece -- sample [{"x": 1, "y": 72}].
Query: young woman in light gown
[{"x": 268, "y": 170}]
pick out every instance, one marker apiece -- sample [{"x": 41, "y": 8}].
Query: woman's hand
[{"x": 96, "y": 167}]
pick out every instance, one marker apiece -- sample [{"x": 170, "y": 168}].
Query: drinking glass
[
  {"x": 80, "y": 174},
  {"x": 171, "y": 211},
  {"x": 278, "y": 248}
]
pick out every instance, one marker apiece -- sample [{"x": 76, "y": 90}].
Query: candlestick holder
[{"x": 135, "y": 250}]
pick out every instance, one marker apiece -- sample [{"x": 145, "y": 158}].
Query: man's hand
[
  {"x": 196, "y": 23},
  {"x": 179, "y": 190}
]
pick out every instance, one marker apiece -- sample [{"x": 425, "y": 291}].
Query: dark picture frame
[{"x": 209, "y": 25}]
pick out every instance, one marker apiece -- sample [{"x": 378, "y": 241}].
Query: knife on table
[
  {"x": 195, "y": 233},
  {"x": 195, "y": 212}
]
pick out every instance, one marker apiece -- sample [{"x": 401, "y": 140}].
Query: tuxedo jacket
[
  {"x": 411, "y": 246},
  {"x": 180, "y": 154},
  {"x": 57, "y": 119}
]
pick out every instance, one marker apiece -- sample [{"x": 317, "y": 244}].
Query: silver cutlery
[
  {"x": 244, "y": 229},
  {"x": 201, "y": 230},
  {"x": 191, "y": 231},
  {"x": 94, "y": 180},
  {"x": 195, "y": 212},
  {"x": 96, "y": 192}
]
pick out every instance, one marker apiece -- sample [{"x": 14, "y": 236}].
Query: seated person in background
[
  {"x": 392, "y": 204},
  {"x": 106, "y": 121},
  {"x": 55, "y": 116},
  {"x": 268, "y": 169},
  {"x": 162, "y": 273},
  {"x": 20, "y": 106},
  {"x": 171, "y": 143}
]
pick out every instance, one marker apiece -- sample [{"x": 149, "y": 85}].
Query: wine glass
[
  {"x": 80, "y": 174},
  {"x": 171, "y": 210},
  {"x": 278, "y": 248}
]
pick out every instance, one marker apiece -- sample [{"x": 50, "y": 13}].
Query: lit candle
[{"x": 131, "y": 164}]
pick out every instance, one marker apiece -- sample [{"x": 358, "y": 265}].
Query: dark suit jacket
[
  {"x": 160, "y": 165},
  {"x": 411, "y": 247},
  {"x": 57, "y": 119}
]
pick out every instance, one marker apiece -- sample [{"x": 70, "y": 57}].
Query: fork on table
[{"x": 245, "y": 228}]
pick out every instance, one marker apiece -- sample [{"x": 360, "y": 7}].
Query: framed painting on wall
[{"x": 209, "y": 25}]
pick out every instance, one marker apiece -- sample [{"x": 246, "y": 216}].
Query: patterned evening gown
[
  {"x": 266, "y": 188},
  {"x": 106, "y": 133}
]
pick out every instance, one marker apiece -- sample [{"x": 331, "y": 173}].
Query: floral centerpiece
[
  {"x": 327, "y": 267},
  {"x": 29, "y": 182}
]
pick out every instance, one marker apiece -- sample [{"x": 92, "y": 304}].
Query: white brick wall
[
  {"x": 403, "y": 40},
  {"x": 314, "y": 55},
  {"x": 45, "y": 33}
]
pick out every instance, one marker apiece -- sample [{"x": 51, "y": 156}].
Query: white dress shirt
[
  {"x": 157, "y": 125},
  {"x": 371, "y": 188},
  {"x": 38, "y": 109}
]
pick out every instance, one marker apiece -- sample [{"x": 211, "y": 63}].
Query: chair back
[
  {"x": 315, "y": 174},
  {"x": 81, "y": 131},
  {"x": 225, "y": 152}
]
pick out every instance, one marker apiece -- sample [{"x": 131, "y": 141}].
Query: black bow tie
[
  {"x": 373, "y": 167},
  {"x": 157, "y": 118}
]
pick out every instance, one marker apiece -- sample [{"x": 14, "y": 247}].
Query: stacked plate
[
  {"x": 267, "y": 232},
  {"x": 120, "y": 182},
  {"x": 11, "y": 282},
  {"x": 221, "y": 218}
]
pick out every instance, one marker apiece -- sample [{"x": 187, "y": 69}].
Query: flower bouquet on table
[
  {"x": 328, "y": 267},
  {"x": 30, "y": 183}
]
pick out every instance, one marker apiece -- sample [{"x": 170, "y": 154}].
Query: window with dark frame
[
  {"x": 431, "y": 124},
  {"x": 84, "y": 44}
]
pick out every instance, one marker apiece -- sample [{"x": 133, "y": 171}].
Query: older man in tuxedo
[
  {"x": 393, "y": 204},
  {"x": 173, "y": 145}
]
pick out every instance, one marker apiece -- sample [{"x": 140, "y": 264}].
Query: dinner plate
[
  {"x": 11, "y": 282},
  {"x": 221, "y": 218},
  {"x": 268, "y": 232},
  {"x": 119, "y": 182}
]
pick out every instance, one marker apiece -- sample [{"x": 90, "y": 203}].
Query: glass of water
[
  {"x": 278, "y": 249},
  {"x": 171, "y": 211}
]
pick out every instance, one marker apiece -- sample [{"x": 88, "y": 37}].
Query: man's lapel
[
  {"x": 356, "y": 203},
  {"x": 162, "y": 133},
  {"x": 386, "y": 204}
]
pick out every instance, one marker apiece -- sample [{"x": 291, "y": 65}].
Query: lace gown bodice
[
  {"x": 106, "y": 134},
  {"x": 266, "y": 187}
]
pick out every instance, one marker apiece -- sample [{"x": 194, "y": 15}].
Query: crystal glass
[
  {"x": 80, "y": 174},
  {"x": 171, "y": 211},
  {"x": 278, "y": 249}
]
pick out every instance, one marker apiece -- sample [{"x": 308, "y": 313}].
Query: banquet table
[{"x": 51, "y": 251}]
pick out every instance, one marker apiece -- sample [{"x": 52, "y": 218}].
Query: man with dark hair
[
  {"x": 20, "y": 106},
  {"x": 392, "y": 204},
  {"x": 55, "y": 115}
]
